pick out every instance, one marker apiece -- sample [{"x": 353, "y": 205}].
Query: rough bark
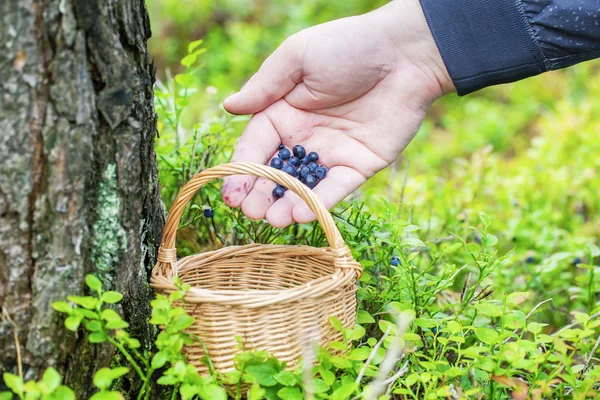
[{"x": 78, "y": 182}]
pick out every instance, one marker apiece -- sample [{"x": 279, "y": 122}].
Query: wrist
[{"x": 404, "y": 23}]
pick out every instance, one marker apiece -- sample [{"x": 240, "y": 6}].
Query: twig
[
  {"x": 404, "y": 186},
  {"x": 372, "y": 355},
  {"x": 403, "y": 370},
  {"x": 394, "y": 354},
  {"x": 593, "y": 316},
  {"x": 308, "y": 362},
  {"x": 17, "y": 344},
  {"x": 589, "y": 360},
  {"x": 529, "y": 314}
]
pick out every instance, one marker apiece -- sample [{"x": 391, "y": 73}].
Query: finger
[
  {"x": 257, "y": 144},
  {"x": 339, "y": 183},
  {"x": 280, "y": 213},
  {"x": 259, "y": 199},
  {"x": 280, "y": 72}
]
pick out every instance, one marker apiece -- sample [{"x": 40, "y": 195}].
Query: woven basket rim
[
  {"x": 346, "y": 268},
  {"x": 256, "y": 297}
]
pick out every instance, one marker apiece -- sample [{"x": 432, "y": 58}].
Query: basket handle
[{"x": 167, "y": 256}]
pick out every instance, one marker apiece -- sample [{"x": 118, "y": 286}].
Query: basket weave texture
[{"x": 276, "y": 298}]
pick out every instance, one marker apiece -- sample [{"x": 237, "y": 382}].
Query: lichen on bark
[{"x": 109, "y": 239}]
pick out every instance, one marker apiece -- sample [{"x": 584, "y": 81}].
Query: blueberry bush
[{"x": 480, "y": 246}]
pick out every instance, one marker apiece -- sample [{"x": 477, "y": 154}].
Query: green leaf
[
  {"x": 485, "y": 219},
  {"x": 107, "y": 396},
  {"x": 517, "y": 298},
  {"x": 193, "y": 45},
  {"x": 185, "y": 80},
  {"x": 117, "y": 324},
  {"x": 212, "y": 392},
  {"x": 160, "y": 303},
  {"x": 486, "y": 335},
  {"x": 364, "y": 317},
  {"x": 13, "y": 382},
  {"x": 62, "y": 306},
  {"x": 189, "y": 60},
  {"x": 64, "y": 393},
  {"x": 356, "y": 333},
  {"x": 286, "y": 378},
  {"x": 97, "y": 337},
  {"x": 535, "y": 327},
  {"x": 160, "y": 359},
  {"x": 110, "y": 315},
  {"x": 51, "y": 379},
  {"x": 93, "y": 326},
  {"x": 111, "y": 297},
  {"x": 105, "y": 376},
  {"x": 336, "y": 323},
  {"x": 182, "y": 322},
  {"x": 341, "y": 363},
  {"x": 263, "y": 373},
  {"x": 328, "y": 376},
  {"x": 319, "y": 386},
  {"x": 290, "y": 393},
  {"x": 118, "y": 372},
  {"x": 491, "y": 240},
  {"x": 83, "y": 313},
  {"x": 360, "y": 354},
  {"x": 6, "y": 395},
  {"x": 343, "y": 392},
  {"x": 487, "y": 308},
  {"x": 412, "y": 242},
  {"x": 72, "y": 323},
  {"x": 85, "y": 301},
  {"x": 256, "y": 392},
  {"x": 93, "y": 283},
  {"x": 411, "y": 336}
]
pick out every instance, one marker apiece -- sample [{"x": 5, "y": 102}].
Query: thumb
[{"x": 277, "y": 76}]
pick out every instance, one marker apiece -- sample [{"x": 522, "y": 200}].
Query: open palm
[{"x": 354, "y": 90}]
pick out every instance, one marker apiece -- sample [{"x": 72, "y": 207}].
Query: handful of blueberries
[{"x": 298, "y": 164}]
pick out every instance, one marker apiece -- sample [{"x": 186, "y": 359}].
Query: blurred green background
[{"x": 525, "y": 153}]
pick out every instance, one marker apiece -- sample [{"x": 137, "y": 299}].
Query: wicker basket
[{"x": 274, "y": 297}]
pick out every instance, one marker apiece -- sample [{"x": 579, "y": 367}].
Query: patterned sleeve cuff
[{"x": 484, "y": 42}]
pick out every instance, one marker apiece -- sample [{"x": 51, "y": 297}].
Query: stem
[
  {"x": 144, "y": 390},
  {"x": 174, "y": 394},
  {"x": 128, "y": 356}
]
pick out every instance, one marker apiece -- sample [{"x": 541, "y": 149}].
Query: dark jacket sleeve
[{"x": 487, "y": 42}]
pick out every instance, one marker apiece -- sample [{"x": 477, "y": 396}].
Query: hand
[{"x": 354, "y": 90}]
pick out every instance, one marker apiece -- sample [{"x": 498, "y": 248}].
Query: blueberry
[
  {"x": 299, "y": 151},
  {"x": 295, "y": 161},
  {"x": 577, "y": 260},
  {"x": 530, "y": 260},
  {"x": 303, "y": 171},
  {"x": 320, "y": 172},
  {"x": 278, "y": 192},
  {"x": 312, "y": 166},
  {"x": 310, "y": 181},
  {"x": 395, "y": 261},
  {"x": 284, "y": 154},
  {"x": 281, "y": 147},
  {"x": 289, "y": 169},
  {"x": 277, "y": 163},
  {"x": 434, "y": 330},
  {"x": 312, "y": 156},
  {"x": 209, "y": 212},
  {"x": 305, "y": 160}
]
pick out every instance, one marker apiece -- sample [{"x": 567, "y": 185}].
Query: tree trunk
[{"x": 78, "y": 181}]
